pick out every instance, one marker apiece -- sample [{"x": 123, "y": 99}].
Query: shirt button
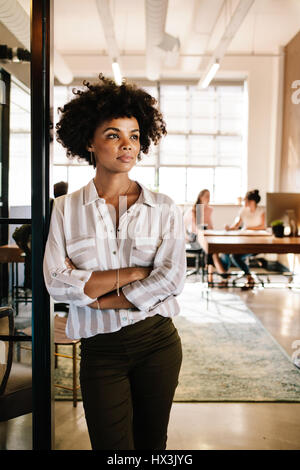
[{"x": 114, "y": 252}]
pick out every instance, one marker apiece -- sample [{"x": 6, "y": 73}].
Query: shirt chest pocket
[
  {"x": 144, "y": 251},
  {"x": 82, "y": 252}
]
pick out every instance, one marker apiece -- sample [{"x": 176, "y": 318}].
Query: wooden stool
[{"x": 60, "y": 338}]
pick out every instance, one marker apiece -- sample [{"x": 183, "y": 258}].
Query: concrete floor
[{"x": 205, "y": 425}]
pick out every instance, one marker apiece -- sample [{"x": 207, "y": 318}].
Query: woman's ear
[{"x": 90, "y": 147}]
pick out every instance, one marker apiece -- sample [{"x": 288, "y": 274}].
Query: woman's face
[
  {"x": 250, "y": 204},
  {"x": 116, "y": 144},
  {"x": 205, "y": 198}
]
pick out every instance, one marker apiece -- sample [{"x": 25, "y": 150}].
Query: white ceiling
[{"x": 199, "y": 24}]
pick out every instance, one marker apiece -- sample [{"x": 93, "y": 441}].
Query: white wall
[
  {"x": 264, "y": 78},
  {"x": 224, "y": 215}
]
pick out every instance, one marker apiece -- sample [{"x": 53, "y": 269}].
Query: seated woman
[
  {"x": 192, "y": 221},
  {"x": 250, "y": 217}
]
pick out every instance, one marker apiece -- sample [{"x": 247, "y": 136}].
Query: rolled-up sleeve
[
  {"x": 169, "y": 269},
  {"x": 63, "y": 284}
]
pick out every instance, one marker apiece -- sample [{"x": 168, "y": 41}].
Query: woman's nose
[{"x": 126, "y": 145}]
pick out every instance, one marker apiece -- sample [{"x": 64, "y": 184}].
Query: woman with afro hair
[{"x": 116, "y": 253}]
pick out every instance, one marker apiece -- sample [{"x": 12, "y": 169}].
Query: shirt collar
[
  {"x": 147, "y": 196},
  {"x": 90, "y": 195}
]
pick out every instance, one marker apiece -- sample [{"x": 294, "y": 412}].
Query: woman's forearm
[
  {"x": 234, "y": 226},
  {"x": 115, "y": 301},
  {"x": 257, "y": 227},
  {"x": 102, "y": 282}
]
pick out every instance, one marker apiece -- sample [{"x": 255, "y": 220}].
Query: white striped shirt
[{"x": 150, "y": 233}]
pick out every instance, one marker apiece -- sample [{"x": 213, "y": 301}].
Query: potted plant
[{"x": 278, "y": 228}]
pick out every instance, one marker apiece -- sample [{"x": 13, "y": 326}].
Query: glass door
[{"x": 25, "y": 319}]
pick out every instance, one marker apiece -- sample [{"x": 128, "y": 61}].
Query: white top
[
  {"x": 205, "y": 214},
  {"x": 151, "y": 233},
  {"x": 251, "y": 219}
]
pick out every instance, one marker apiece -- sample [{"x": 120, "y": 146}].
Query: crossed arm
[
  {"x": 142, "y": 288},
  {"x": 102, "y": 285}
]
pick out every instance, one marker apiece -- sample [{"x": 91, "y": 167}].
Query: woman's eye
[
  {"x": 112, "y": 136},
  {"x": 135, "y": 137}
]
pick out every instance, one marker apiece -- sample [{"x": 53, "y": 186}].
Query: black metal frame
[
  {"x": 4, "y": 158},
  {"x": 41, "y": 104}
]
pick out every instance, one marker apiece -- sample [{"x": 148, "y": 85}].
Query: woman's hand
[
  {"x": 94, "y": 305},
  {"x": 227, "y": 227},
  {"x": 69, "y": 264},
  {"x": 141, "y": 272}
]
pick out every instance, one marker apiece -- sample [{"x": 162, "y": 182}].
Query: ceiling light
[
  {"x": 209, "y": 75},
  {"x": 117, "y": 72},
  {"x": 231, "y": 29}
]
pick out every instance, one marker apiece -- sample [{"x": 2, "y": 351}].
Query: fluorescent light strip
[
  {"x": 235, "y": 22},
  {"x": 205, "y": 81},
  {"x": 117, "y": 73}
]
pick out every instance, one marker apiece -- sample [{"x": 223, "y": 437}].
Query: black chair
[
  {"x": 15, "y": 378},
  {"x": 200, "y": 260}
]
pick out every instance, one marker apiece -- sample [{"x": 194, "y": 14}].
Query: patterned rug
[{"x": 228, "y": 356}]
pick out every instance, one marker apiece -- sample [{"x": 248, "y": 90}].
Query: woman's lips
[{"x": 125, "y": 158}]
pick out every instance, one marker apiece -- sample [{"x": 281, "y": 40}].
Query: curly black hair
[{"x": 105, "y": 101}]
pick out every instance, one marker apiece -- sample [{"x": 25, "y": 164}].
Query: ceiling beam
[
  {"x": 235, "y": 22},
  {"x": 110, "y": 37}
]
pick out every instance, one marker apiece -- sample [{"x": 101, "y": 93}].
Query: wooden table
[
  {"x": 246, "y": 233},
  {"x": 11, "y": 254},
  {"x": 243, "y": 244}
]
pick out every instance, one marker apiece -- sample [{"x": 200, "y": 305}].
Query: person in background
[
  {"x": 192, "y": 218},
  {"x": 22, "y": 237},
  {"x": 250, "y": 217},
  {"x": 60, "y": 189},
  {"x": 192, "y": 221}
]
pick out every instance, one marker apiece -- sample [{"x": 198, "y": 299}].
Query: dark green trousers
[{"x": 128, "y": 380}]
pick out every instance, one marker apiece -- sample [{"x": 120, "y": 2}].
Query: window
[
  {"x": 204, "y": 147},
  {"x": 19, "y": 146},
  {"x": 205, "y": 138}
]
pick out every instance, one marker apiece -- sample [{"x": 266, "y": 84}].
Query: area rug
[{"x": 228, "y": 356}]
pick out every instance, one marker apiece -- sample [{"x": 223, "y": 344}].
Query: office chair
[{"x": 15, "y": 378}]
